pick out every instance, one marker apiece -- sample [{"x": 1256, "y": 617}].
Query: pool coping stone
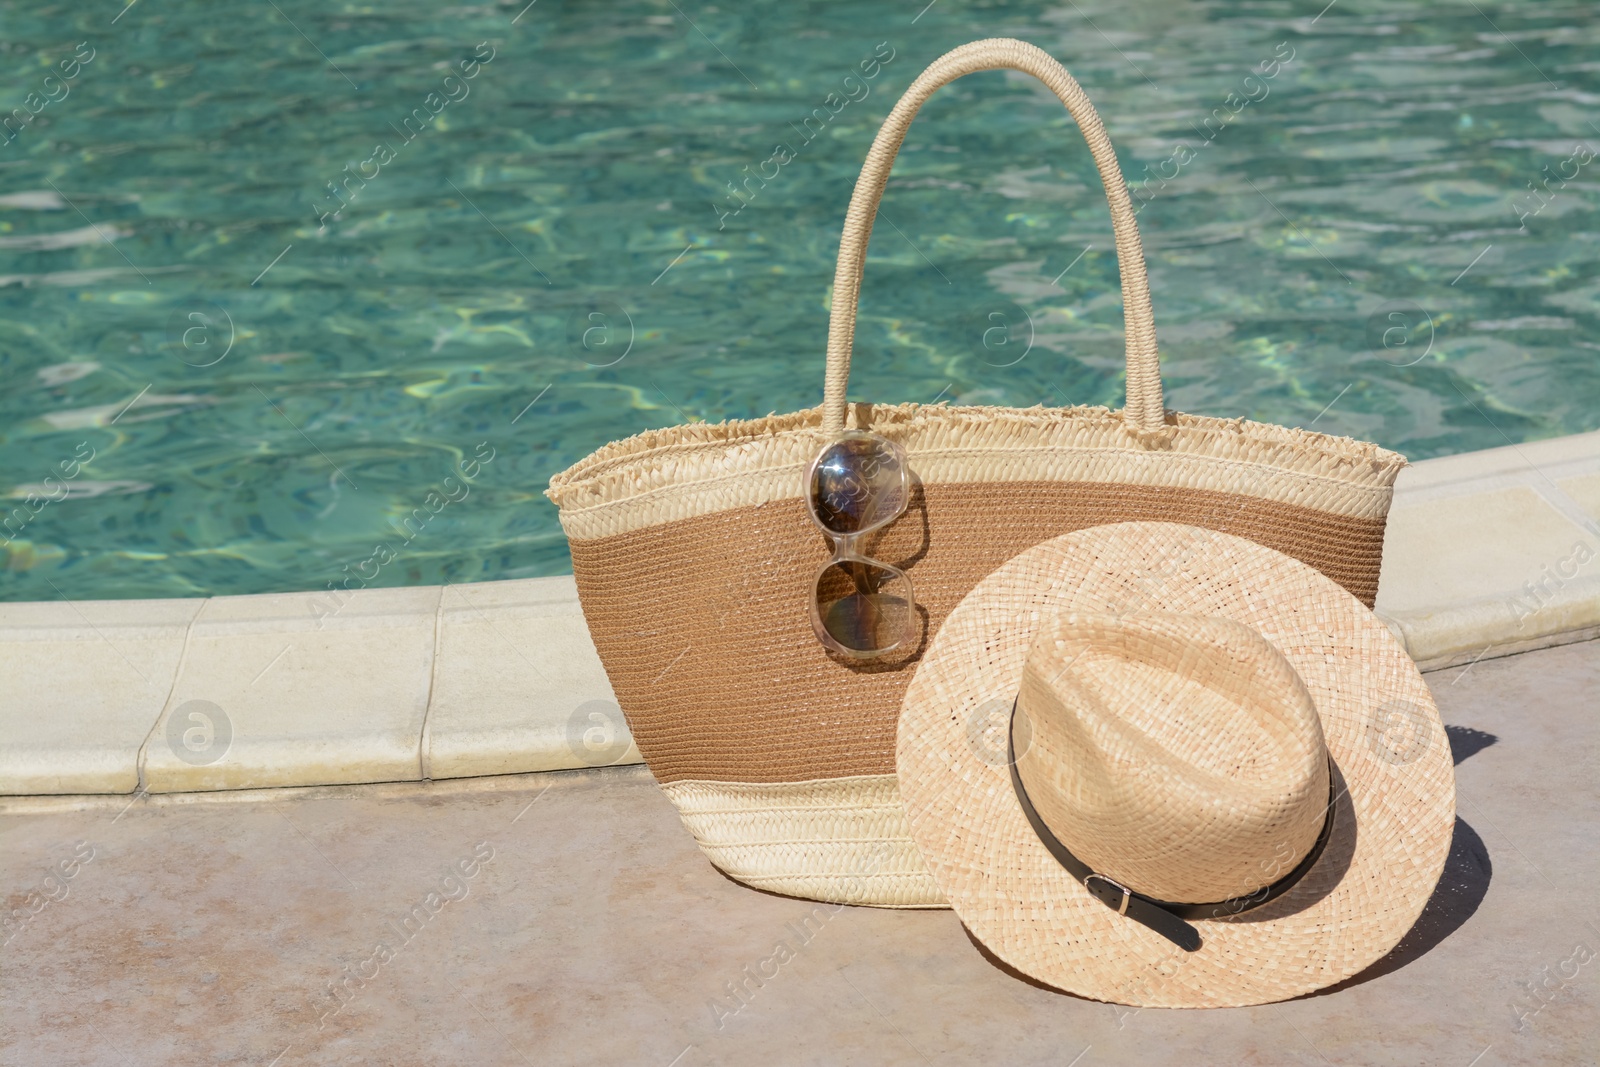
[{"x": 1487, "y": 554}]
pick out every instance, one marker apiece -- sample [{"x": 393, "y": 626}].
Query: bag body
[{"x": 694, "y": 555}]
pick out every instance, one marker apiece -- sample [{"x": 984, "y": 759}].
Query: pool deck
[
  {"x": 209, "y": 928},
  {"x": 1488, "y": 553}
]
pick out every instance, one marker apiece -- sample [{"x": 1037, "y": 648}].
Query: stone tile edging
[
  {"x": 1495, "y": 552},
  {"x": 301, "y": 689},
  {"x": 1488, "y": 553}
]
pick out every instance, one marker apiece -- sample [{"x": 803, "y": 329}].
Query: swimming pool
[{"x": 290, "y": 294}]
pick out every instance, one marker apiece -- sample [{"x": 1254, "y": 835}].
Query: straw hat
[{"x": 1159, "y": 765}]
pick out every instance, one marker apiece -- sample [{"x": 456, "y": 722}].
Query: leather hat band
[{"x": 1164, "y": 917}]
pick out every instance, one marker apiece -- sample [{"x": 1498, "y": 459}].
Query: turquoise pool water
[{"x": 236, "y": 379}]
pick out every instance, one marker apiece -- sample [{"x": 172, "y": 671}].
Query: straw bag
[{"x": 694, "y": 555}]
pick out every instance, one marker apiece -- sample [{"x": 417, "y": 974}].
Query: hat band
[{"x": 1164, "y": 917}]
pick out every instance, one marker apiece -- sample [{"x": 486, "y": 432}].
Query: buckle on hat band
[
  {"x": 1121, "y": 906},
  {"x": 1164, "y": 917}
]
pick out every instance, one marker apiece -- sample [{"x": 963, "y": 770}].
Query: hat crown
[{"x": 1180, "y": 755}]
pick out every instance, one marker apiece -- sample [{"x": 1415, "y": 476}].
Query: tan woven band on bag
[{"x": 1144, "y": 407}]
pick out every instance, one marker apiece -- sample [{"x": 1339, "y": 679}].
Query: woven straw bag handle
[{"x": 1143, "y": 408}]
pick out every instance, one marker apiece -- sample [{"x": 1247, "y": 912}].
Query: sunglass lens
[
  {"x": 859, "y": 482},
  {"x": 865, "y": 607}
]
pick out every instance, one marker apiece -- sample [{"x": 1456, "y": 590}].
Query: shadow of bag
[{"x": 694, "y": 554}]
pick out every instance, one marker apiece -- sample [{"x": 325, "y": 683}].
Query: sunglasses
[{"x": 860, "y": 607}]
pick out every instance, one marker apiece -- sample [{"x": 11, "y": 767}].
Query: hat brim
[{"x": 1394, "y": 777}]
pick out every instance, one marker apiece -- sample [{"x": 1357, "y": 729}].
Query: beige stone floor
[{"x": 207, "y": 930}]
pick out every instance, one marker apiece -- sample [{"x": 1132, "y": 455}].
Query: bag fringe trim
[{"x": 682, "y": 471}]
